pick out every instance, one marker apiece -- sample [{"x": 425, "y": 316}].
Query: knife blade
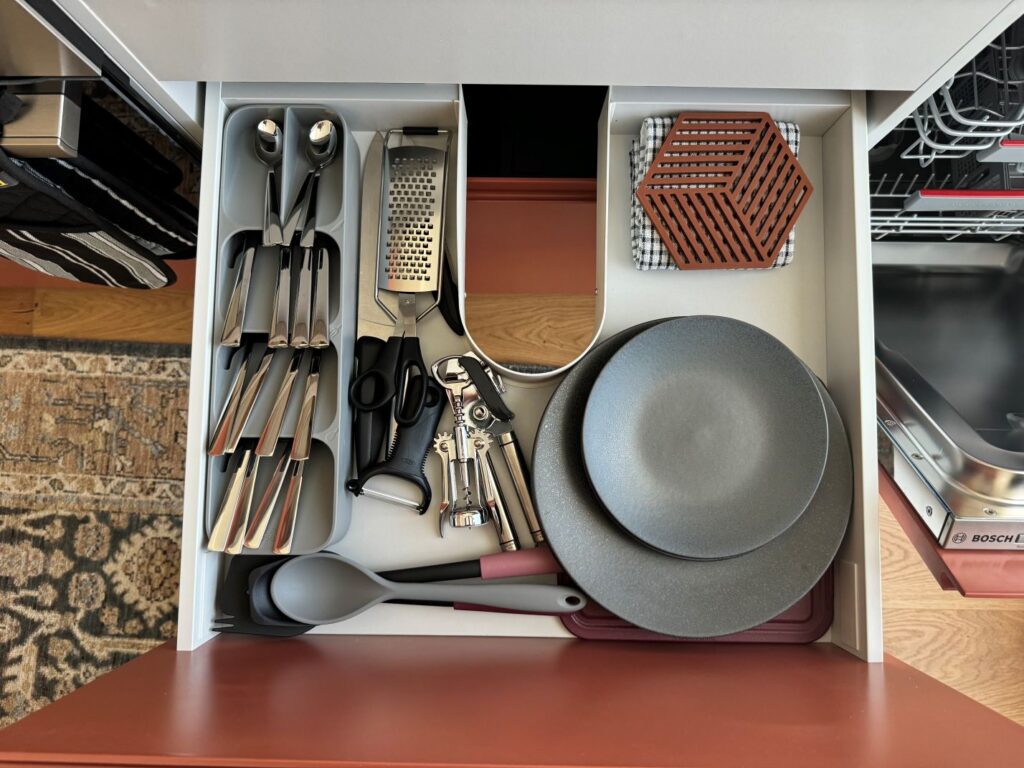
[{"x": 372, "y": 320}]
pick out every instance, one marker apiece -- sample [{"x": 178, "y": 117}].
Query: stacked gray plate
[{"x": 693, "y": 476}]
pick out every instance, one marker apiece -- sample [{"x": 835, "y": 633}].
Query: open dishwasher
[{"x": 947, "y": 221}]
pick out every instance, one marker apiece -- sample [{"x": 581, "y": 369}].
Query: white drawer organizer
[
  {"x": 324, "y": 505},
  {"x": 820, "y": 306}
]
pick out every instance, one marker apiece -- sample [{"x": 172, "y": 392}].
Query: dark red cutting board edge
[{"x": 806, "y": 621}]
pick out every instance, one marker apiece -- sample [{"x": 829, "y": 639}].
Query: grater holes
[{"x": 412, "y": 194}]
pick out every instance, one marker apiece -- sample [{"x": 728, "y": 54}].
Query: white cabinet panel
[{"x": 848, "y": 44}]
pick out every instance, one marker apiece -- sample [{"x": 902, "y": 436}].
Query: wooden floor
[
  {"x": 101, "y": 313},
  {"x": 972, "y": 645},
  {"x": 32, "y": 304},
  {"x": 548, "y": 329}
]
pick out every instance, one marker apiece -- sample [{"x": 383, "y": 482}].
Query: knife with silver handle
[
  {"x": 240, "y": 519},
  {"x": 282, "y": 300},
  {"x": 507, "y": 538},
  {"x": 298, "y": 455},
  {"x": 225, "y": 422},
  {"x": 304, "y": 426},
  {"x": 265, "y": 447},
  {"x": 289, "y": 511},
  {"x": 264, "y": 510},
  {"x": 222, "y": 526},
  {"x": 303, "y": 297},
  {"x": 248, "y": 400},
  {"x": 321, "y": 297},
  {"x": 234, "y": 318},
  {"x": 272, "y": 429}
]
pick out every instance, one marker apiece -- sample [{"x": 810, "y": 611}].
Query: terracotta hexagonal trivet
[{"x": 724, "y": 190}]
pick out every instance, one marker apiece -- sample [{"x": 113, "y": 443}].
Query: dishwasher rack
[
  {"x": 953, "y": 170},
  {"x": 982, "y": 201},
  {"x": 975, "y": 109}
]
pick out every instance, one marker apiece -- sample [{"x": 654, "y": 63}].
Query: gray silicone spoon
[{"x": 324, "y": 588}]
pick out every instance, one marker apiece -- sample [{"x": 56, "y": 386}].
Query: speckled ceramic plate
[
  {"x": 674, "y": 596},
  {"x": 705, "y": 437}
]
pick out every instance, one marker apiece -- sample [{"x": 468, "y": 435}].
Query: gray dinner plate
[
  {"x": 705, "y": 437},
  {"x": 658, "y": 592}
]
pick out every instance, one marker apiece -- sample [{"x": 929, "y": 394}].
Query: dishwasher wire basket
[
  {"x": 892, "y": 188},
  {"x": 973, "y": 110}
]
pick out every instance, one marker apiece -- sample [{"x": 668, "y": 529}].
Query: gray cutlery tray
[{"x": 325, "y": 507}]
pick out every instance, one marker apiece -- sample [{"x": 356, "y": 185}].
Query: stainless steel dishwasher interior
[{"x": 963, "y": 332}]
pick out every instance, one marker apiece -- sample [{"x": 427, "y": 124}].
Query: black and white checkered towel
[{"x": 648, "y": 250}]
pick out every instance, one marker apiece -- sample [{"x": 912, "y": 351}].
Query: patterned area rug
[{"x": 92, "y": 455}]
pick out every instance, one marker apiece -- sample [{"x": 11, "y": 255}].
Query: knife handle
[
  {"x": 304, "y": 426},
  {"x": 241, "y": 517},
  {"x": 261, "y": 517},
  {"x": 282, "y": 300},
  {"x": 226, "y": 421},
  {"x": 289, "y": 511},
  {"x": 272, "y": 429},
  {"x": 223, "y": 526},
  {"x": 303, "y": 297},
  {"x": 248, "y": 400},
  {"x": 318, "y": 331},
  {"x": 234, "y": 317}
]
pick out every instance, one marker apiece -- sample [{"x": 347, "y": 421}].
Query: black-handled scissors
[{"x": 386, "y": 382}]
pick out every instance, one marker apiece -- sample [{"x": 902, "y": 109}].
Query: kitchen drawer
[{"x": 820, "y": 306}]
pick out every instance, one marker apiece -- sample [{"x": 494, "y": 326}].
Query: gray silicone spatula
[{"x": 324, "y": 588}]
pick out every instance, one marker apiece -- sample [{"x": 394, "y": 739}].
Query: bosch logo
[
  {"x": 959, "y": 538},
  {"x": 992, "y": 538}
]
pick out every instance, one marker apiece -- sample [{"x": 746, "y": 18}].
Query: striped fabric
[
  {"x": 88, "y": 257},
  {"x": 67, "y": 233}
]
